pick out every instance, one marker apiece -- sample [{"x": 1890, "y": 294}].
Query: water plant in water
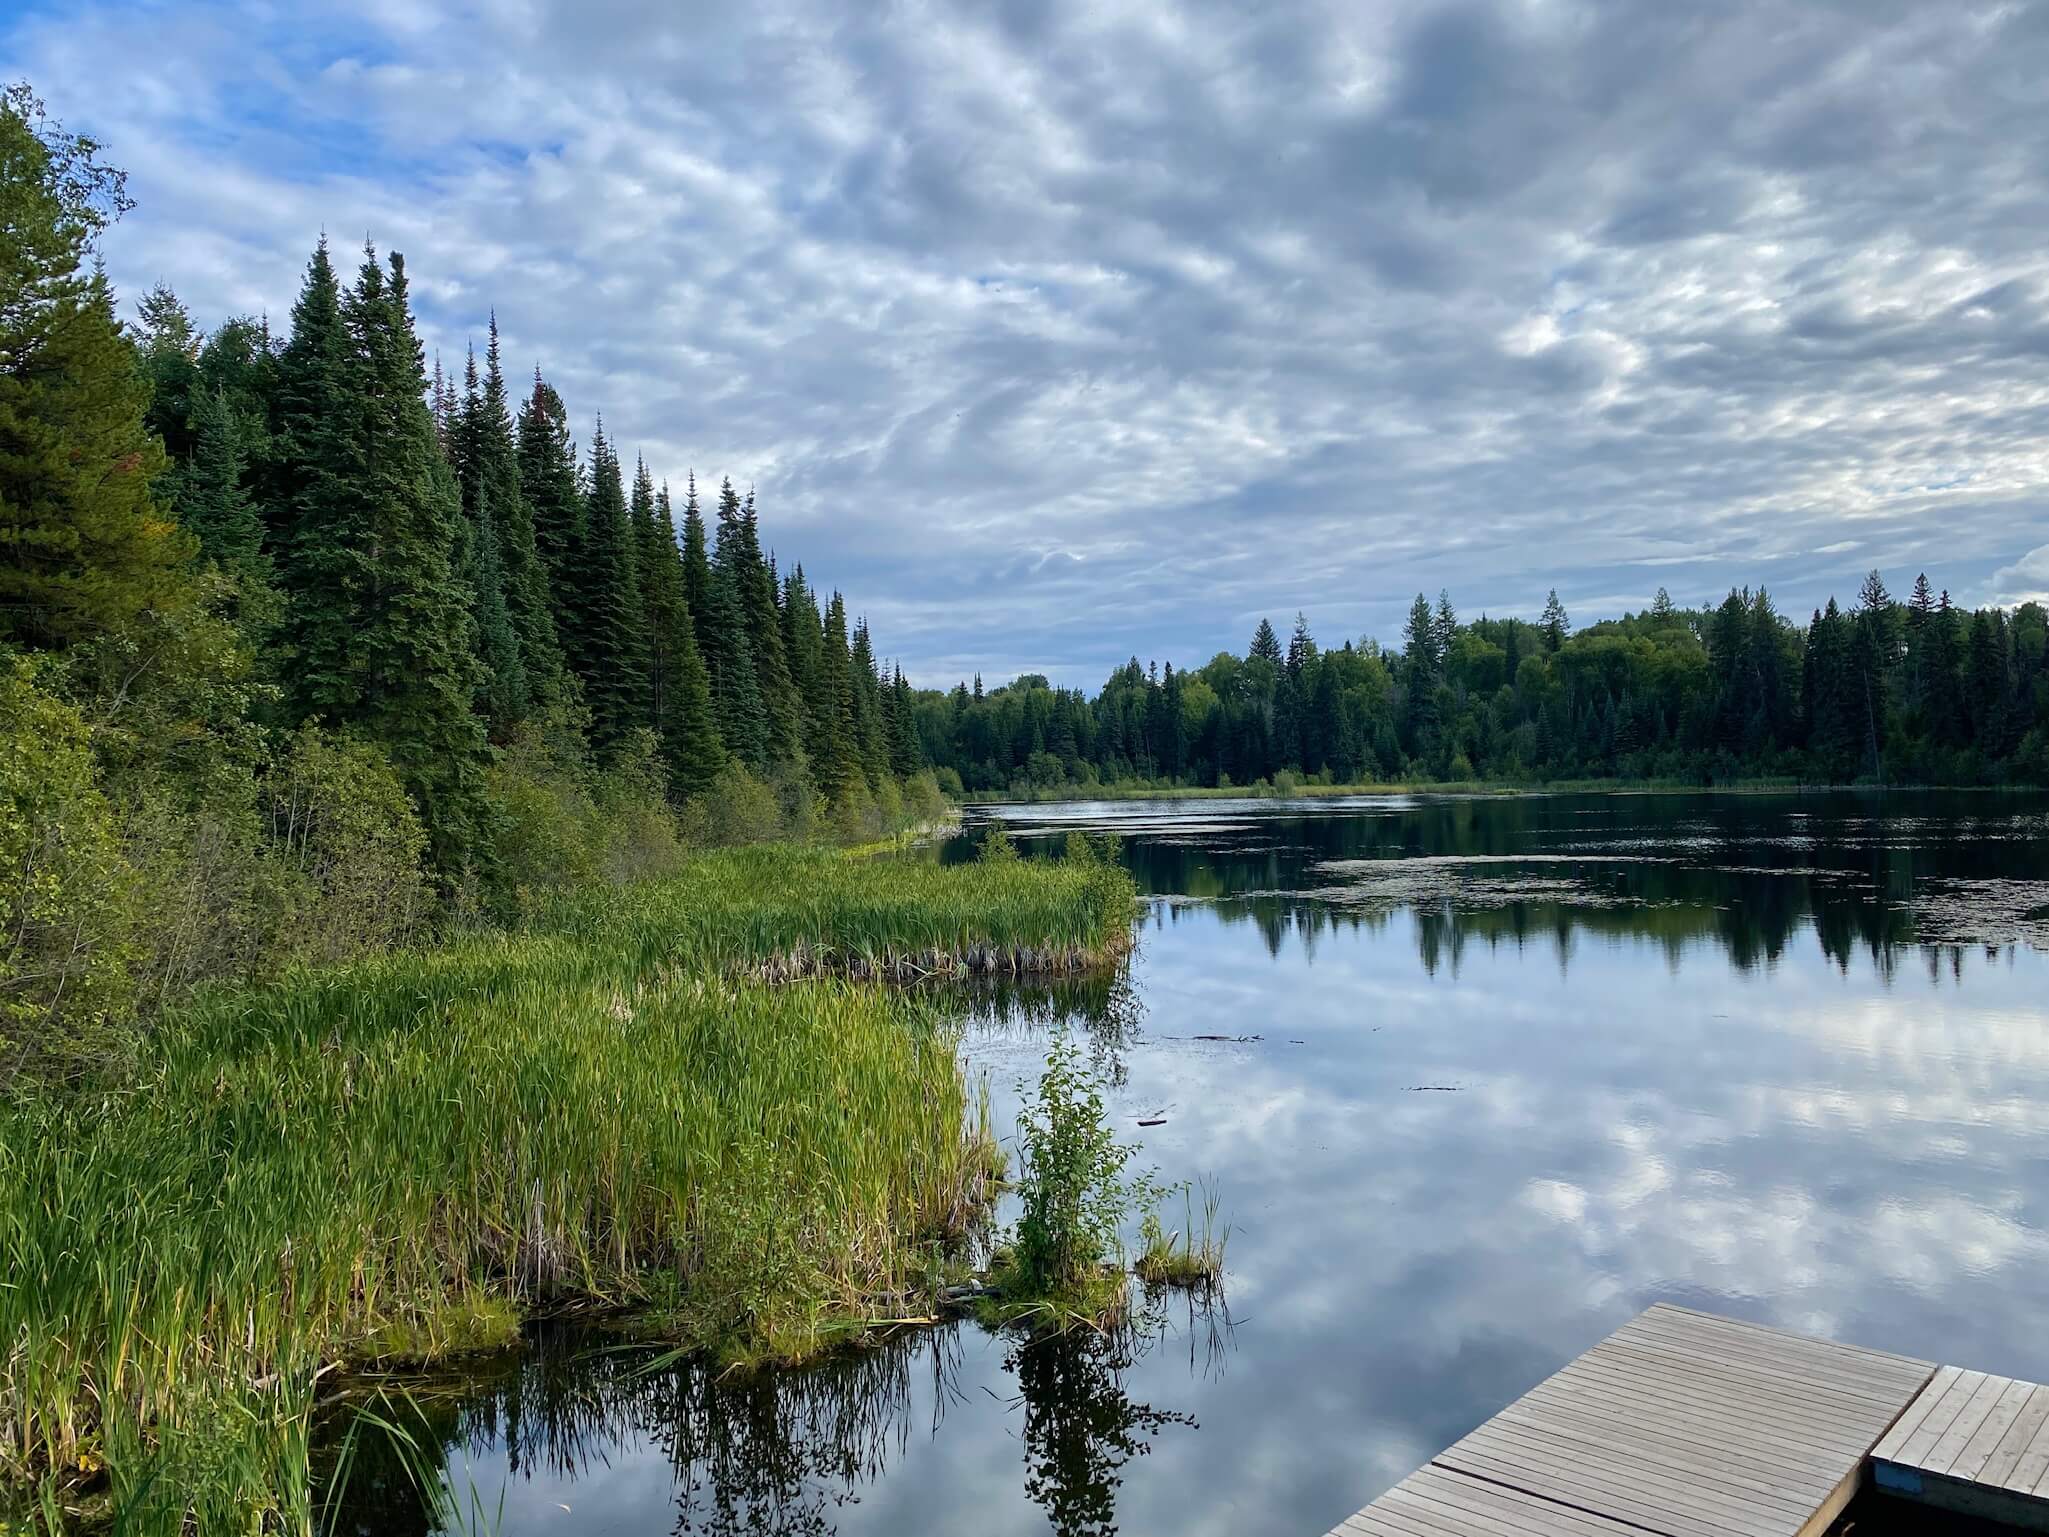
[
  {"x": 1064, "y": 1262},
  {"x": 1188, "y": 1256}
]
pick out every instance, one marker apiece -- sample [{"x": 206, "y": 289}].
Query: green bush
[
  {"x": 351, "y": 848},
  {"x": 69, "y": 903},
  {"x": 1072, "y": 1182},
  {"x": 738, "y": 808}
]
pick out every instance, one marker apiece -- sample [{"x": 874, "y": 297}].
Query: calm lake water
[{"x": 1474, "y": 1080}]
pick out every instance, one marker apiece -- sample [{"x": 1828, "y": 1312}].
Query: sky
[{"x": 1056, "y": 333}]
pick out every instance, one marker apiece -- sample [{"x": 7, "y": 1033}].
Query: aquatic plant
[{"x": 1189, "y": 1256}]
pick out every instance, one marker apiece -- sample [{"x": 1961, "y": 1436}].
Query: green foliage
[
  {"x": 69, "y": 908},
  {"x": 83, "y": 548},
  {"x": 1073, "y": 1187},
  {"x": 1190, "y": 1256}
]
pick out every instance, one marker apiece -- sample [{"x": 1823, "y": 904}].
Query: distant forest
[{"x": 1918, "y": 691}]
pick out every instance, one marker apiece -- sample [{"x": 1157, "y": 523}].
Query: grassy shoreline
[{"x": 404, "y": 1158}]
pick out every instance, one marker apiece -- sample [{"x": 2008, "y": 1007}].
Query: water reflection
[
  {"x": 1872, "y": 877},
  {"x": 1743, "y": 1061},
  {"x": 775, "y": 1454}
]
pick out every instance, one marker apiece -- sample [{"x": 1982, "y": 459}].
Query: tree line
[{"x": 1889, "y": 691}]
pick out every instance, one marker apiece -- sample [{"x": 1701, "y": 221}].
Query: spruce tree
[
  {"x": 215, "y": 504},
  {"x": 383, "y": 637},
  {"x": 835, "y": 745},
  {"x": 548, "y": 483},
  {"x": 740, "y": 570},
  {"x": 494, "y": 492},
  {"x": 614, "y": 663},
  {"x": 502, "y": 690},
  {"x": 679, "y": 688},
  {"x": 83, "y": 547},
  {"x": 328, "y": 556},
  {"x": 871, "y": 739},
  {"x": 728, "y": 655},
  {"x": 697, "y": 571},
  {"x": 1266, "y": 646},
  {"x": 1555, "y": 625}
]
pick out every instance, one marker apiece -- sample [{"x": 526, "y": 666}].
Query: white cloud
[{"x": 1438, "y": 294}]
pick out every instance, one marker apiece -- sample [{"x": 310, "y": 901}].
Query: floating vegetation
[{"x": 1982, "y": 912}]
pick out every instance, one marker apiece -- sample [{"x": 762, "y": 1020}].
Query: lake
[{"x": 1474, "y": 1080}]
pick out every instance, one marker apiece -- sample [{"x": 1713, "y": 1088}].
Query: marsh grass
[
  {"x": 1190, "y": 1256},
  {"x": 399, "y": 1160}
]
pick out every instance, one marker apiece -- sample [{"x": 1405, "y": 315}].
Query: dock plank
[{"x": 2019, "y": 1436}]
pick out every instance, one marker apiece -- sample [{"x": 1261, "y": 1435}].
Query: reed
[
  {"x": 1190, "y": 1256},
  {"x": 404, "y": 1158}
]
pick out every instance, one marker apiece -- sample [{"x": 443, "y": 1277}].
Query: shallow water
[{"x": 1495, "y": 1075}]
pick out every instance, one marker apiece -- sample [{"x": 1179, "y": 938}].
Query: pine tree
[
  {"x": 214, "y": 503},
  {"x": 83, "y": 547},
  {"x": 383, "y": 638},
  {"x": 728, "y": 655},
  {"x": 327, "y": 564},
  {"x": 494, "y": 484},
  {"x": 614, "y": 661},
  {"x": 1555, "y": 625},
  {"x": 680, "y": 701}
]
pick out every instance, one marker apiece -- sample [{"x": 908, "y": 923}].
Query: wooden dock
[
  {"x": 1972, "y": 1443},
  {"x": 1683, "y": 1424}
]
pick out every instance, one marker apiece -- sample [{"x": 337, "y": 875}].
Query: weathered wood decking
[
  {"x": 1683, "y": 1424},
  {"x": 1972, "y": 1443}
]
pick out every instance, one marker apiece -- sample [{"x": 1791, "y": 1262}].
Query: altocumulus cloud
[{"x": 1055, "y": 332}]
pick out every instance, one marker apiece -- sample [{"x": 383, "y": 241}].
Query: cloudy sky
[{"x": 1057, "y": 332}]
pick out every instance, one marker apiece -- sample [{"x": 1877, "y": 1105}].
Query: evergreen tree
[
  {"x": 728, "y": 655},
  {"x": 503, "y": 693},
  {"x": 494, "y": 493},
  {"x": 382, "y": 635},
  {"x": 905, "y": 756},
  {"x": 870, "y": 735},
  {"x": 83, "y": 547},
  {"x": 697, "y": 574},
  {"x": 215, "y": 504},
  {"x": 1555, "y": 625},
  {"x": 328, "y": 560},
  {"x": 745, "y": 576},
  {"x": 614, "y": 660},
  {"x": 1266, "y": 646},
  {"x": 169, "y": 343},
  {"x": 679, "y": 688},
  {"x": 548, "y": 485},
  {"x": 835, "y": 744}
]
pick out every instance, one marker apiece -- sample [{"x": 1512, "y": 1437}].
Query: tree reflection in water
[{"x": 775, "y": 1453}]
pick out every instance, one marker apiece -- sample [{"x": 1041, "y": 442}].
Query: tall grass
[{"x": 400, "y": 1159}]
